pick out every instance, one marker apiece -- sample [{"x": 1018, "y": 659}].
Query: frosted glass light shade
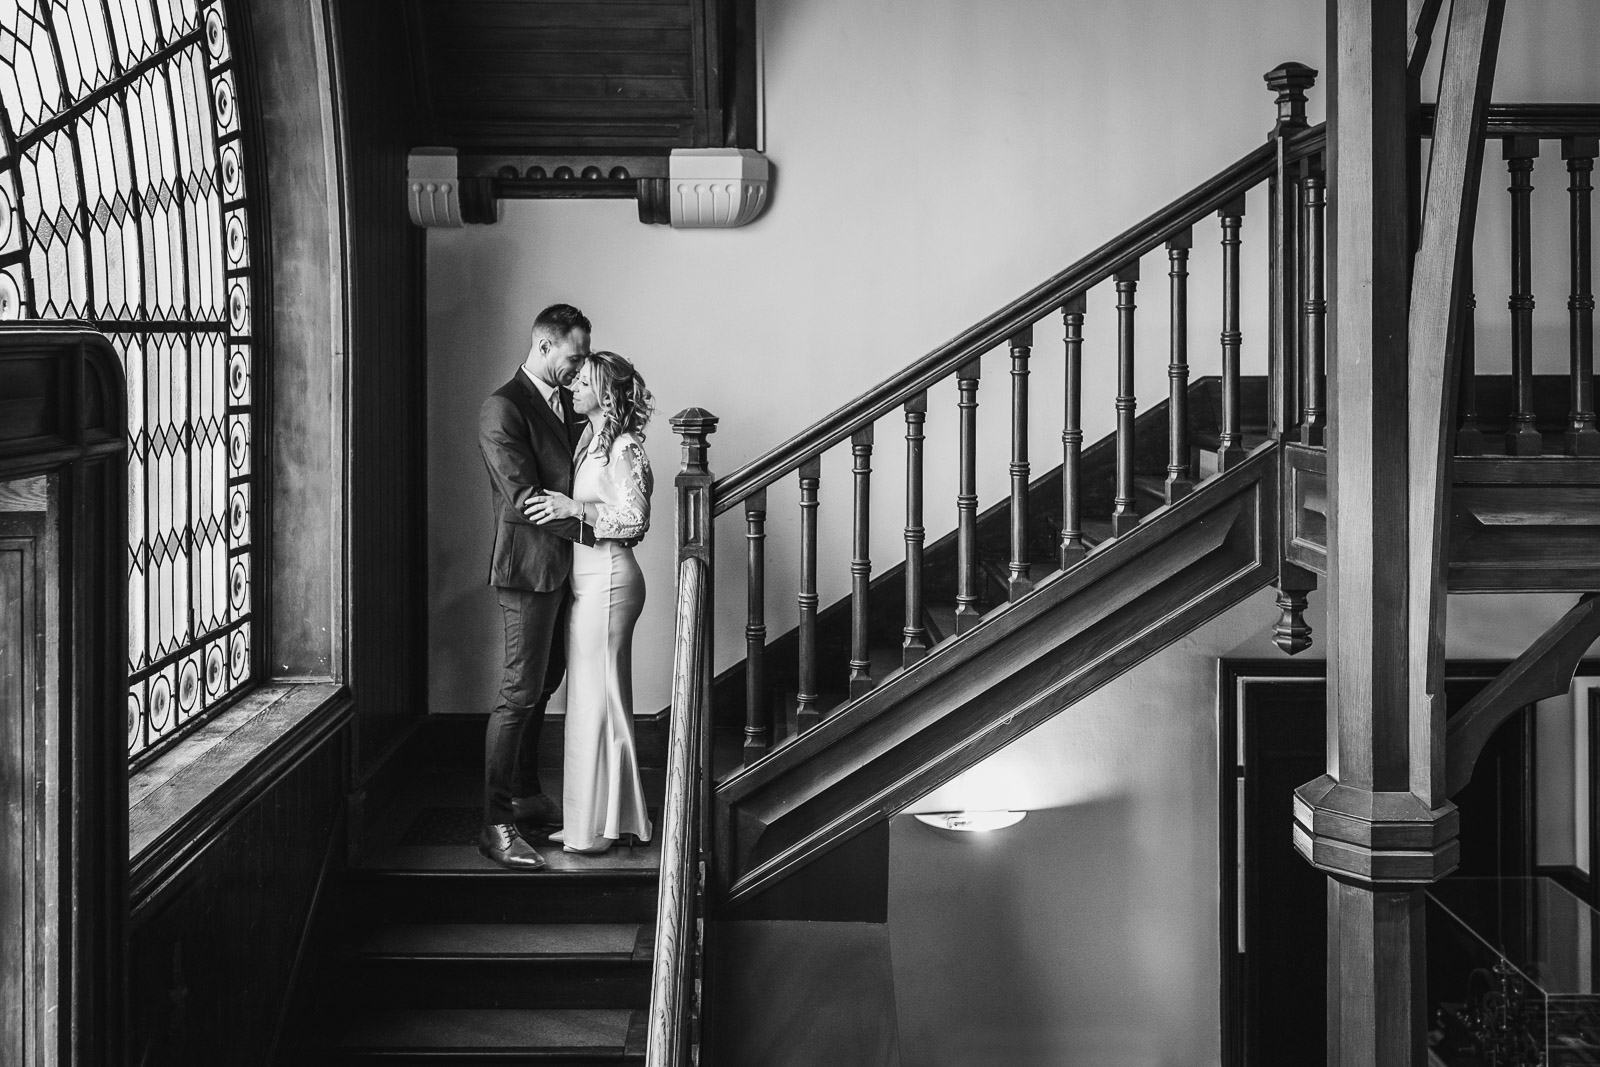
[{"x": 971, "y": 821}]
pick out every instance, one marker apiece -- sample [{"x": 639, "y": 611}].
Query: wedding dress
[{"x": 601, "y": 793}]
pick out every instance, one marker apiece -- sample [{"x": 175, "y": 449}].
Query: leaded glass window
[{"x": 122, "y": 202}]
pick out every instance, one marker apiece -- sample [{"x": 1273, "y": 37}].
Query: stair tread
[
  {"x": 521, "y": 940},
  {"x": 524, "y": 1030},
  {"x": 465, "y": 859}
]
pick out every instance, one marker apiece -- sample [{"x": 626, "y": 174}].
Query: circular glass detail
[
  {"x": 238, "y": 308},
  {"x": 232, "y": 176},
  {"x": 189, "y": 685},
  {"x": 222, "y": 98},
  {"x": 216, "y": 672},
  {"x": 10, "y": 297},
  {"x": 160, "y": 703},
  {"x": 238, "y": 445},
  {"x": 238, "y": 657},
  {"x": 238, "y": 586},
  {"x": 238, "y": 515},
  {"x": 237, "y": 246}
]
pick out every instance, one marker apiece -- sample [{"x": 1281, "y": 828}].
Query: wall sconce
[{"x": 971, "y": 821}]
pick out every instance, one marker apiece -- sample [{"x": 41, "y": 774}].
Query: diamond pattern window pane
[{"x": 123, "y": 201}]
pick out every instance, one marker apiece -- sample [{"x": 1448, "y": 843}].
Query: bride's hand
[{"x": 545, "y": 506}]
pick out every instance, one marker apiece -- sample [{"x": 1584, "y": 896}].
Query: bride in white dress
[{"x": 601, "y": 796}]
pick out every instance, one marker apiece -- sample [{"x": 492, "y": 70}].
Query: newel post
[
  {"x": 1290, "y": 82},
  {"x": 694, "y": 527},
  {"x": 694, "y": 426}
]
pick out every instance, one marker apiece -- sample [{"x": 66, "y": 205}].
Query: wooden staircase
[{"x": 448, "y": 959}]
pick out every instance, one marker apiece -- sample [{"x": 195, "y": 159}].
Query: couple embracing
[{"x": 563, "y": 441}]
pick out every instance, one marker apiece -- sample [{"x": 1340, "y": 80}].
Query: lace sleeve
[{"x": 629, "y": 472}]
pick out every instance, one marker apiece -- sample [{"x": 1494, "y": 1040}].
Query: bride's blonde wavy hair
[{"x": 626, "y": 403}]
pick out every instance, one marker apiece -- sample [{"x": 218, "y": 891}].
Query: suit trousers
[{"x": 535, "y": 647}]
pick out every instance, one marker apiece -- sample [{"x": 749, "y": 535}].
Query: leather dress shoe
[
  {"x": 536, "y": 816},
  {"x": 502, "y": 844}
]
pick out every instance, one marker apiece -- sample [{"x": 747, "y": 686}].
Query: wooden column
[
  {"x": 757, "y": 705},
  {"x": 1018, "y": 582},
  {"x": 860, "y": 560},
  {"x": 1313, "y": 332},
  {"x": 1230, "y": 443},
  {"x": 1582, "y": 439},
  {"x": 967, "y": 613},
  {"x": 1124, "y": 511},
  {"x": 1469, "y": 436},
  {"x": 915, "y": 643},
  {"x": 1073, "y": 546},
  {"x": 1522, "y": 437},
  {"x": 1180, "y": 467},
  {"x": 807, "y": 713},
  {"x": 1378, "y": 822}
]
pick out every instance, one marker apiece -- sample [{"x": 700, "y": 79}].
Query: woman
[{"x": 602, "y": 798}]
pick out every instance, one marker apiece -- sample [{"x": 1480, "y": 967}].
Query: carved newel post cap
[
  {"x": 1290, "y": 81},
  {"x": 693, "y": 421},
  {"x": 433, "y": 187},
  {"x": 716, "y": 188},
  {"x": 1291, "y": 75}
]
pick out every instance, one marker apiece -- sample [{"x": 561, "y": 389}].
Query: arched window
[{"x": 123, "y": 202}]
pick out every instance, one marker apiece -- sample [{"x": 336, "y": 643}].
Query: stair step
[
  {"x": 619, "y": 895},
  {"x": 500, "y": 965},
  {"x": 452, "y": 1036}
]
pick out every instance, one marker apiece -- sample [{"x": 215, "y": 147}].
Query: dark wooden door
[{"x": 1274, "y": 941}]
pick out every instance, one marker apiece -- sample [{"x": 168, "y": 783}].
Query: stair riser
[
  {"x": 531, "y": 898},
  {"x": 501, "y": 983},
  {"x": 456, "y": 1059}
]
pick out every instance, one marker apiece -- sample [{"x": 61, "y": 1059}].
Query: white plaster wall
[{"x": 1089, "y": 932}]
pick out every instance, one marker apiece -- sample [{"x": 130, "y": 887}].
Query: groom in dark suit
[{"x": 527, "y": 432}]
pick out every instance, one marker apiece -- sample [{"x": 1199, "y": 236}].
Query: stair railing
[
  {"x": 671, "y": 1028},
  {"x": 1521, "y": 130},
  {"x": 1290, "y": 164}
]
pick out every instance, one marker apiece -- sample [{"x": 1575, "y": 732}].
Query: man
[{"x": 528, "y": 433}]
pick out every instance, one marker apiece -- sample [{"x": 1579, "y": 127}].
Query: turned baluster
[
  {"x": 1314, "y": 311},
  {"x": 806, "y": 713},
  {"x": 860, "y": 564},
  {"x": 1230, "y": 443},
  {"x": 915, "y": 643},
  {"x": 1469, "y": 436},
  {"x": 1522, "y": 437},
  {"x": 1180, "y": 479},
  {"x": 1124, "y": 513},
  {"x": 1021, "y": 348},
  {"x": 1582, "y": 438},
  {"x": 757, "y": 708},
  {"x": 967, "y": 613},
  {"x": 1073, "y": 546}
]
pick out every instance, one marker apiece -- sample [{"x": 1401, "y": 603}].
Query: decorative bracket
[
  {"x": 693, "y": 188},
  {"x": 716, "y": 188},
  {"x": 437, "y": 195}
]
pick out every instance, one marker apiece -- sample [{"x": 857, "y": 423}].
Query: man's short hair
[{"x": 558, "y": 321}]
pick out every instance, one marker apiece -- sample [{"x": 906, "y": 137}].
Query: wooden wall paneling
[
  {"x": 387, "y": 358},
  {"x": 218, "y": 940},
  {"x": 63, "y": 670}
]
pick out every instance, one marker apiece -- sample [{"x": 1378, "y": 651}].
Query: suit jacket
[{"x": 527, "y": 447}]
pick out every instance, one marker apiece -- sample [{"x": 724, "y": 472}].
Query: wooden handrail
[
  {"x": 1228, "y": 184},
  {"x": 671, "y": 977},
  {"x": 1530, "y": 120}
]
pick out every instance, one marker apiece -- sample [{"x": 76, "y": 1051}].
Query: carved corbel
[
  {"x": 437, "y": 195},
  {"x": 714, "y": 188}
]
